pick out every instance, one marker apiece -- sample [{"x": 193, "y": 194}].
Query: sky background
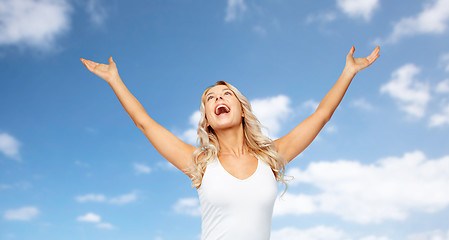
[{"x": 74, "y": 166}]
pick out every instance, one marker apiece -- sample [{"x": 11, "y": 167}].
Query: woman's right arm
[{"x": 167, "y": 144}]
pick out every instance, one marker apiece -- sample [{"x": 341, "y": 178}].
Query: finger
[
  {"x": 93, "y": 65},
  {"x": 91, "y": 62},
  {"x": 84, "y": 61},
  {"x": 90, "y": 65},
  {"x": 373, "y": 53},
  {"x": 351, "y": 52},
  {"x": 371, "y": 59},
  {"x": 376, "y": 57},
  {"x": 377, "y": 50},
  {"x": 111, "y": 62}
]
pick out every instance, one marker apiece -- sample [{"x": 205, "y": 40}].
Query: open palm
[
  {"x": 355, "y": 65},
  {"x": 107, "y": 72}
]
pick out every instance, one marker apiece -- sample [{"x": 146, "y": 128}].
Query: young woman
[{"x": 235, "y": 169}]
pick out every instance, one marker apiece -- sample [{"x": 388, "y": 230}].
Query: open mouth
[{"x": 222, "y": 108}]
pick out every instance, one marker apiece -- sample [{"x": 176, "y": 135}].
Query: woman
[{"x": 235, "y": 169}]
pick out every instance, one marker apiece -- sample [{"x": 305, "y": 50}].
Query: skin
[
  {"x": 218, "y": 95},
  {"x": 234, "y": 155}
]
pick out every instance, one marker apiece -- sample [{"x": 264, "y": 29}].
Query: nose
[{"x": 219, "y": 97}]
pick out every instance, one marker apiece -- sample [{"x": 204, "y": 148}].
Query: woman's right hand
[{"x": 108, "y": 72}]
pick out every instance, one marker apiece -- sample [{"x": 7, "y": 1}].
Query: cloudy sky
[{"x": 74, "y": 166}]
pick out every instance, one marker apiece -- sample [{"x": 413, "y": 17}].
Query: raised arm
[
  {"x": 302, "y": 135},
  {"x": 168, "y": 145}
]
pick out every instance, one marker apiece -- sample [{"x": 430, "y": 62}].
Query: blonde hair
[{"x": 257, "y": 143}]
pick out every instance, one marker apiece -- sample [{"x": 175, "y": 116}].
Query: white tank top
[{"x": 234, "y": 209}]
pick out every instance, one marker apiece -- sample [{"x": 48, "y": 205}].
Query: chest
[
  {"x": 222, "y": 189},
  {"x": 241, "y": 168}
]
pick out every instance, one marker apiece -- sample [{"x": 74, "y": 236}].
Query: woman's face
[{"x": 223, "y": 109}]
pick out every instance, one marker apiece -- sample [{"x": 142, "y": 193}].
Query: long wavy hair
[{"x": 257, "y": 143}]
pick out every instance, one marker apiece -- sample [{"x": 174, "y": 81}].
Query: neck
[{"x": 232, "y": 141}]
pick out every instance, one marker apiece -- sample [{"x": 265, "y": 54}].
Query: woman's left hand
[{"x": 355, "y": 65}]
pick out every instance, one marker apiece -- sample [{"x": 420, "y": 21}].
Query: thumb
[
  {"x": 110, "y": 60},
  {"x": 351, "y": 52},
  {"x": 349, "y": 57}
]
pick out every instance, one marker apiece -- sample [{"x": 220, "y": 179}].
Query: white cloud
[
  {"x": 352, "y": 8},
  {"x": 410, "y": 94},
  {"x": 141, "y": 168},
  {"x": 22, "y": 185},
  {"x": 362, "y": 104},
  {"x": 10, "y": 146},
  {"x": 442, "y": 118},
  {"x": 260, "y": 30},
  {"x": 321, "y": 17},
  {"x": 316, "y": 233},
  {"x": 432, "y": 235},
  {"x": 189, "y": 206},
  {"x": 443, "y": 86},
  {"x": 374, "y": 238},
  {"x": 358, "y": 9},
  {"x": 330, "y": 128},
  {"x": 234, "y": 9},
  {"x": 122, "y": 199},
  {"x": 34, "y": 23},
  {"x": 97, "y": 11},
  {"x": 105, "y": 226},
  {"x": 311, "y": 104},
  {"x": 271, "y": 112},
  {"x": 166, "y": 165},
  {"x": 21, "y": 214},
  {"x": 95, "y": 218},
  {"x": 89, "y": 217},
  {"x": 444, "y": 61},
  {"x": 91, "y": 198},
  {"x": 195, "y": 118},
  {"x": 295, "y": 204},
  {"x": 81, "y": 164},
  {"x": 390, "y": 188},
  {"x": 190, "y": 135},
  {"x": 431, "y": 20},
  {"x": 91, "y": 130}
]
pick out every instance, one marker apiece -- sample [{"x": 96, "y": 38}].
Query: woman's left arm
[{"x": 302, "y": 135}]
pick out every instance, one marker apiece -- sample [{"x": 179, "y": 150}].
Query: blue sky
[{"x": 74, "y": 166}]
